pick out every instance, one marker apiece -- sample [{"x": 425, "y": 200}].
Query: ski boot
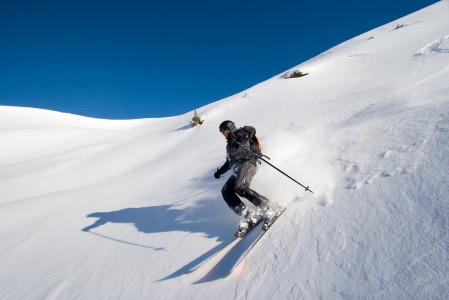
[
  {"x": 243, "y": 229},
  {"x": 249, "y": 220},
  {"x": 270, "y": 216}
]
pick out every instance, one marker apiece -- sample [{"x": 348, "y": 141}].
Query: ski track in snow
[{"x": 99, "y": 209}]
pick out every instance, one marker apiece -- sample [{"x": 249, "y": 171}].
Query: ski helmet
[{"x": 229, "y": 125}]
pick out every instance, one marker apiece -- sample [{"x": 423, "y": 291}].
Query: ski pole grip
[{"x": 263, "y": 155}]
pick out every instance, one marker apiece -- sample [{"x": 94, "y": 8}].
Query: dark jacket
[{"x": 236, "y": 154}]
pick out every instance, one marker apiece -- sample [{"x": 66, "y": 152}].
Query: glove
[{"x": 221, "y": 170}]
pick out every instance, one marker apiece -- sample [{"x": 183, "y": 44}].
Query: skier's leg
[
  {"x": 230, "y": 196},
  {"x": 245, "y": 175}
]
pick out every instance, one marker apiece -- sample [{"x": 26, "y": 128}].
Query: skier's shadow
[{"x": 165, "y": 218}]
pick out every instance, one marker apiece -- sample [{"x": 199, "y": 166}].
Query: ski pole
[{"x": 261, "y": 157}]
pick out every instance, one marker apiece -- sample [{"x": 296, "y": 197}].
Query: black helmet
[{"x": 229, "y": 125}]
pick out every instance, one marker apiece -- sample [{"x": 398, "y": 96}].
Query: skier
[{"x": 244, "y": 164}]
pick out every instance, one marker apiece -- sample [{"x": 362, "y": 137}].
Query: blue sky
[{"x": 142, "y": 59}]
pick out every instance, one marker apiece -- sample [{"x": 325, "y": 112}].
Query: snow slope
[{"x": 99, "y": 209}]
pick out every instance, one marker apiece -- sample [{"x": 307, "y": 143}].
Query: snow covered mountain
[{"x": 99, "y": 209}]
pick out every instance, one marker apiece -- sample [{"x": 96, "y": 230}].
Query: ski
[
  {"x": 262, "y": 233},
  {"x": 227, "y": 245}
]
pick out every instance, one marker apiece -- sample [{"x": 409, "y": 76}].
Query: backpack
[{"x": 254, "y": 143}]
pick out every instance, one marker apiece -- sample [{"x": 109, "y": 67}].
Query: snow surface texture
[{"x": 98, "y": 209}]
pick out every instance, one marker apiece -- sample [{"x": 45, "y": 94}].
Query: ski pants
[{"x": 238, "y": 185}]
